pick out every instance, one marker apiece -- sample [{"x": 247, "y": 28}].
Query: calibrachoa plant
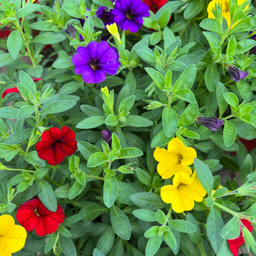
[{"x": 117, "y": 120}]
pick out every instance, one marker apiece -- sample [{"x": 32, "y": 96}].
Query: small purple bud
[
  {"x": 106, "y": 136},
  {"x": 71, "y": 31},
  {"x": 235, "y": 73},
  {"x": 212, "y": 123}
]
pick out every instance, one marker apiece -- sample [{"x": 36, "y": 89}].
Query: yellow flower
[
  {"x": 12, "y": 237},
  {"x": 175, "y": 159},
  {"x": 105, "y": 91},
  {"x": 112, "y": 29},
  {"x": 225, "y": 9},
  {"x": 184, "y": 191}
]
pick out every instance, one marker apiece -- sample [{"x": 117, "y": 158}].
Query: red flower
[
  {"x": 5, "y": 32},
  {"x": 34, "y": 215},
  {"x": 155, "y": 5},
  {"x": 56, "y": 144},
  {"x": 234, "y": 244},
  {"x": 10, "y": 90},
  {"x": 37, "y": 79}
]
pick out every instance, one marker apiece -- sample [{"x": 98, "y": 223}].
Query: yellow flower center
[
  {"x": 37, "y": 213},
  {"x": 182, "y": 186},
  {"x": 129, "y": 16},
  {"x": 180, "y": 158},
  {"x": 94, "y": 66}
]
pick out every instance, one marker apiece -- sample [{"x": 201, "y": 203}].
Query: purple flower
[
  {"x": 107, "y": 136},
  {"x": 253, "y": 49},
  {"x": 212, "y": 123},
  {"x": 129, "y": 14},
  {"x": 236, "y": 74},
  {"x": 106, "y": 15},
  {"x": 94, "y": 61}
]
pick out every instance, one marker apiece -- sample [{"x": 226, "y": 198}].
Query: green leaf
[
  {"x": 160, "y": 140},
  {"x": 48, "y": 38},
  {"x": 193, "y": 9},
  {"x": 189, "y": 115},
  {"x": 211, "y": 25},
  {"x": 126, "y": 104},
  {"x": 80, "y": 229},
  {"x": 211, "y": 77},
  {"x": 186, "y": 95},
  {"x": 40, "y": 173},
  {"x": 42, "y": 25},
  {"x": 97, "y": 252},
  {"x": 246, "y": 168},
  {"x": 36, "y": 71},
  {"x": 32, "y": 158},
  {"x": 28, "y": 82},
  {"x": 120, "y": 223},
  {"x": 155, "y": 38},
  {"x": 148, "y": 201},
  {"x": 143, "y": 176},
  {"x": 47, "y": 196},
  {"x": 75, "y": 190},
  {"x": 91, "y": 211},
  {"x": 106, "y": 241},
  {"x": 213, "y": 41},
  {"x": 160, "y": 217},
  {"x": 111, "y": 120},
  {"x": 170, "y": 239},
  {"x": 231, "y": 230},
  {"x": 204, "y": 175},
  {"x": 153, "y": 245},
  {"x": 214, "y": 226},
  {"x": 245, "y": 90},
  {"x": 124, "y": 192},
  {"x": 144, "y": 214},
  {"x": 14, "y": 43},
  {"x": 231, "y": 49},
  {"x": 63, "y": 62},
  {"x": 218, "y": 140},
  {"x": 58, "y": 107},
  {"x": 156, "y": 77},
  {"x": 110, "y": 190},
  {"x": 26, "y": 111},
  {"x": 220, "y": 90},
  {"x": 97, "y": 159},
  {"x": 87, "y": 149},
  {"x": 67, "y": 246},
  {"x": 91, "y": 122},
  {"x": 72, "y": 9},
  {"x": 106, "y": 3},
  {"x": 170, "y": 121},
  {"x": 164, "y": 18},
  {"x": 130, "y": 153},
  {"x": 196, "y": 236},
  {"x": 26, "y": 10},
  {"x": 91, "y": 110},
  {"x": 250, "y": 119},
  {"x": 18, "y": 137},
  {"x": 244, "y": 46},
  {"x": 62, "y": 192},
  {"x": 231, "y": 99},
  {"x": 64, "y": 231},
  {"x": 138, "y": 121},
  {"x": 229, "y": 133},
  {"x": 183, "y": 226},
  {"x": 5, "y": 59},
  {"x": 145, "y": 53}
]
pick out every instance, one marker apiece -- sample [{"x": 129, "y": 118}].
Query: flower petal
[
  {"x": 181, "y": 178},
  {"x": 168, "y": 193},
  {"x": 67, "y": 134}
]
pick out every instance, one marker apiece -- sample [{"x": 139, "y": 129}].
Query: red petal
[
  {"x": 44, "y": 150},
  {"x": 56, "y": 157},
  {"x": 10, "y": 90},
  {"x": 37, "y": 79},
  {"x": 58, "y": 215},
  {"x": 51, "y": 135},
  {"x": 67, "y": 134},
  {"x": 247, "y": 224},
  {"x": 233, "y": 247},
  {"x": 45, "y": 226},
  {"x": 68, "y": 148}
]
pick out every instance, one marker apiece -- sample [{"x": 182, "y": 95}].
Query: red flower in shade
[
  {"x": 234, "y": 244},
  {"x": 56, "y": 144},
  {"x": 155, "y": 5},
  {"x": 10, "y": 90},
  {"x": 34, "y": 215},
  {"x": 37, "y": 79},
  {"x": 5, "y": 32}
]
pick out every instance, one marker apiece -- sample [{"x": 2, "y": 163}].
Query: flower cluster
[{"x": 185, "y": 189}]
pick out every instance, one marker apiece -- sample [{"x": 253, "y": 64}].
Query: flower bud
[
  {"x": 235, "y": 73},
  {"x": 211, "y": 123}
]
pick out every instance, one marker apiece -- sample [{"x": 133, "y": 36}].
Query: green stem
[
  {"x": 21, "y": 170},
  {"x": 96, "y": 177},
  {"x": 226, "y": 209},
  {"x": 168, "y": 215},
  {"x": 227, "y": 117}
]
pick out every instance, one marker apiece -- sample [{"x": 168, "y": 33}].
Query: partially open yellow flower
[
  {"x": 225, "y": 9},
  {"x": 105, "y": 91},
  {"x": 175, "y": 159},
  {"x": 184, "y": 191},
  {"x": 12, "y": 237},
  {"x": 112, "y": 29}
]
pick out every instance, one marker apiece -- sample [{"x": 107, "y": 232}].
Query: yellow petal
[
  {"x": 166, "y": 170},
  {"x": 181, "y": 178},
  {"x": 12, "y": 237},
  {"x": 188, "y": 156},
  {"x": 161, "y": 154},
  {"x": 168, "y": 193},
  {"x": 197, "y": 187},
  {"x": 211, "y": 6},
  {"x": 176, "y": 146},
  {"x": 112, "y": 29},
  {"x": 184, "y": 204}
]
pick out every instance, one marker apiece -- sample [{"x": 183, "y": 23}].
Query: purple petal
[
  {"x": 109, "y": 56},
  {"x": 106, "y": 135},
  {"x": 78, "y": 60},
  {"x": 92, "y": 49},
  {"x": 82, "y": 69},
  {"x": 100, "y": 76},
  {"x": 103, "y": 47},
  {"x": 89, "y": 76},
  {"x": 83, "y": 52},
  {"x": 243, "y": 74},
  {"x": 110, "y": 68}
]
